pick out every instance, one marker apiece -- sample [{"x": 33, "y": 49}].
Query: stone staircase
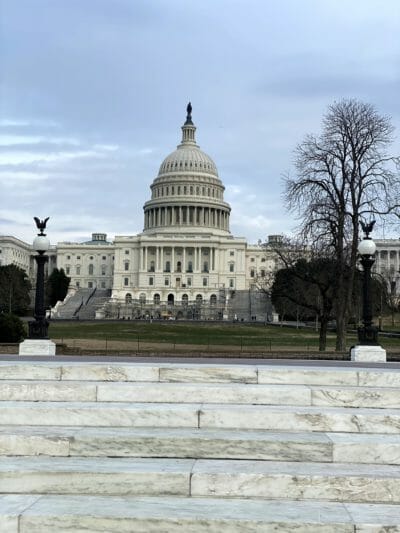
[
  {"x": 161, "y": 447},
  {"x": 72, "y": 304},
  {"x": 96, "y": 300}
]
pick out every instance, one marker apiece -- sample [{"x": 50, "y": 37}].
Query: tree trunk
[{"x": 323, "y": 332}]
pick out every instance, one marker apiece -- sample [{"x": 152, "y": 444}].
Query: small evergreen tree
[
  {"x": 14, "y": 290},
  {"x": 57, "y": 286},
  {"x": 11, "y": 328}
]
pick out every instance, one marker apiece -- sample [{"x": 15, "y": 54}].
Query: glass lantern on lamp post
[{"x": 38, "y": 328}]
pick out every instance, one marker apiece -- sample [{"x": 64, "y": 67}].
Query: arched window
[
  {"x": 199, "y": 298},
  {"x": 142, "y": 298},
  {"x": 156, "y": 299},
  {"x": 171, "y": 299},
  {"x": 128, "y": 298},
  {"x": 91, "y": 269},
  {"x": 213, "y": 299},
  {"x": 185, "y": 299}
]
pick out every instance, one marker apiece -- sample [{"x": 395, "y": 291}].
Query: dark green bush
[{"x": 11, "y": 328}]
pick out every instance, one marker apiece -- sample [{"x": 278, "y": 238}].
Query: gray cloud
[{"x": 96, "y": 94}]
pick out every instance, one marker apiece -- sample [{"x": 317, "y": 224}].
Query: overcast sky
[{"x": 93, "y": 95}]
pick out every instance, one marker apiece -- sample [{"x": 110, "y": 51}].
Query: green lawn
[{"x": 243, "y": 335}]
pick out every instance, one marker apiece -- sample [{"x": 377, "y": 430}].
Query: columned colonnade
[
  {"x": 187, "y": 215},
  {"x": 197, "y": 255}
]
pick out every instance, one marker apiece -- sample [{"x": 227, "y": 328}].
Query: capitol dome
[{"x": 187, "y": 192}]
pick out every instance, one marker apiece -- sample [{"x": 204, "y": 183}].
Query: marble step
[
  {"x": 267, "y": 394},
  {"x": 345, "y": 375},
  {"x": 199, "y": 443},
  {"x": 201, "y": 478},
  {"x": 62, "y": 514},
  {"x": 279, "y": 418}
]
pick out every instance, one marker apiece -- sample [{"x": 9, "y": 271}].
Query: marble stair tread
[
  {"x": 167, "y": 442},
  {"x": 296, "y": 480},
  {"x": 82, "y": 475},
  {"x": 59, "y": 514},
  {"x": 200, "y": 443},
  {"x": 201, "y": 478},
  {"x": 205, "y": 372},
  {"x": 99, "y": 414},
  {"x": 139, "y": 392},
  {"x": 298, "y": 418},
  {"x": 239, "y": 416}
]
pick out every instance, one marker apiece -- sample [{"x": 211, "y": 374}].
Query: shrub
[{"x": 11, "y": 328}]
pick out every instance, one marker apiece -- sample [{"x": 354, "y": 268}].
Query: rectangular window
[
  {"x": 126, "y": 252},
  {"x": 231, "y": 267},
  {"x": 231, "y": 253},
  {"x": 151, "y": 281},
  {"x": 231, "y": 283},
  {"x": 104, "y": 258},
  {"x": 78, "y": 271},
  {"x": 189, "y": 282},
  {"x": 205, "y": 282},
  {"x": 166, "y": 282},
  {"x": 103, "y": 284},
  {"x": 67, "y": 269},
  {"x": 78, "y": 256},
  {"x": 126, "y": 266},
  {"x": 103, "y": 271},
  {"x": 252, "y": 273},
  {"x": 126, "y": 282},
  {"x": 252, "y": 259}
]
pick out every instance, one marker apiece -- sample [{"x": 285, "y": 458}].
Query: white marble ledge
[
  {"x": 204, "y": 392},
  {"x": 291, "y": 468},
  {"x": 365, "y": 448},
  {"x": 29, "y": 371},
  {"x": 99, "y": 414},
  {"x": 81, "y": 475},
  {"x": 307, "y": 375},
  {"x": 109, "y": 372},
  {"x": 327, "y": 481},
  {"x": 217, "y": 444},
  {"x": 289, "y": 418},
  {"x": 197, "y": 373},
  {"x": 369, "y": 397},
  {"x": 193, "y": 515},
  {"x": 15, "y": 440},
  {"x": 96, "y": 465},
  {"x": 44, "y": 391}
]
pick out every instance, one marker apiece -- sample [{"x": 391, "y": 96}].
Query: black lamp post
[
  {"x": 38, "y": 328},
  {"x": 368, "y": 333}
]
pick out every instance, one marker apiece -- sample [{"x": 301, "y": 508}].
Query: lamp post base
[
  {"x": 37, "y": 347},
  {"x": 368, "y": 354}
]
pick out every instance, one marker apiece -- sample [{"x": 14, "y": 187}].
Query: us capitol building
[{"x": 185, "y": 263}]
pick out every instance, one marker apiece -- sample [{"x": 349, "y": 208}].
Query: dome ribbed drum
[{"x": 187, "y": 194}]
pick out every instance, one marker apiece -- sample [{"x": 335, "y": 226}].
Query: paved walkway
[{"x": 198, "y": 360}]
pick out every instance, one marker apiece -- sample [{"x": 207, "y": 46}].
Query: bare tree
[{"x": 342, "y": 177}]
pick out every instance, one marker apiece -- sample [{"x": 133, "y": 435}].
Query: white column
[
  {"x": 173, "y": 259},
  {"x": 162, "y": 259},
  {"x": 141, "y": 259},
  {"x": 184, "y": 260}
]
